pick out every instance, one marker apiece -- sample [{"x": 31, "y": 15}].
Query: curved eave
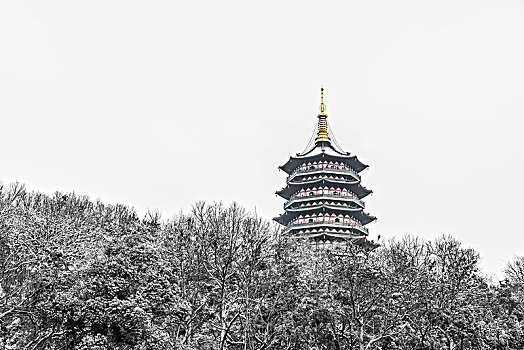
[
  {"x": 295, "y": 162},
  {"x": 305, "y": 182},
  {"x": 357, "y": 189},
  {"x": 292, "y": 214},
  {"x": 329, "y": 236}
]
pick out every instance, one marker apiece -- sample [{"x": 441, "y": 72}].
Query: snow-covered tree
[{"x": 80, "y": 274}]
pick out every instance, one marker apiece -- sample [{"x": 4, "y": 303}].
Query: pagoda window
[
  {"x": 311, "y": 193},
  {"x": 310, "y": 220},
  {"x": 337, "y": 220}
]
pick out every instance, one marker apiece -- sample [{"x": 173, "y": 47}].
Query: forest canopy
[{"x": 81, "y": 274}]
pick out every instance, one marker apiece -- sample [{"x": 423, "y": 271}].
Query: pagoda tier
[
  {"x": 323, "y": 191},
  {"x": 355, "y": 213},
  {"x": 351, "y": 161},
  {"x": 296, "y": 186}
]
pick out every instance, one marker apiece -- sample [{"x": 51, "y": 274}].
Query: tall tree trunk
[{"x": 361, "y": 334}]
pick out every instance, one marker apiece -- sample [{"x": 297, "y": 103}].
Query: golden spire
[
  {"x": 322, "y": 105},
  {"x": 322, "y": 134}
]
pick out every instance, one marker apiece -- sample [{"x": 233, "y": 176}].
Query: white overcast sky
[{"x": 159, "y": 104}]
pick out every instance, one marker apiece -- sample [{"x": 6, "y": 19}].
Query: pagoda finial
[
  {"x": 322, "y": 134},
  {"x": 322, "y": 105}
]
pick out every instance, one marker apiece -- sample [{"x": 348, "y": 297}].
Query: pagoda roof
[
  {"x": 292, "y": 187},
  {"x": 331, "y": 179},
  {"x": 323, "y": 151},
  {"x": 334, "y": 236}
]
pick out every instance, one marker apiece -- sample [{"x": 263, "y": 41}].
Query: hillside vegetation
[{"x": 78, "y": 274}]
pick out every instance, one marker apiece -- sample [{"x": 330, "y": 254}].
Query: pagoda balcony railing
[
  {"x": 325, "y": 195},
  {"x": 323, "y": 168},
  {"x": 357, "y": 226}
]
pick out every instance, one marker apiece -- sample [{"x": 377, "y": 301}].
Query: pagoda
[{"x": 324, "y": 197}]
